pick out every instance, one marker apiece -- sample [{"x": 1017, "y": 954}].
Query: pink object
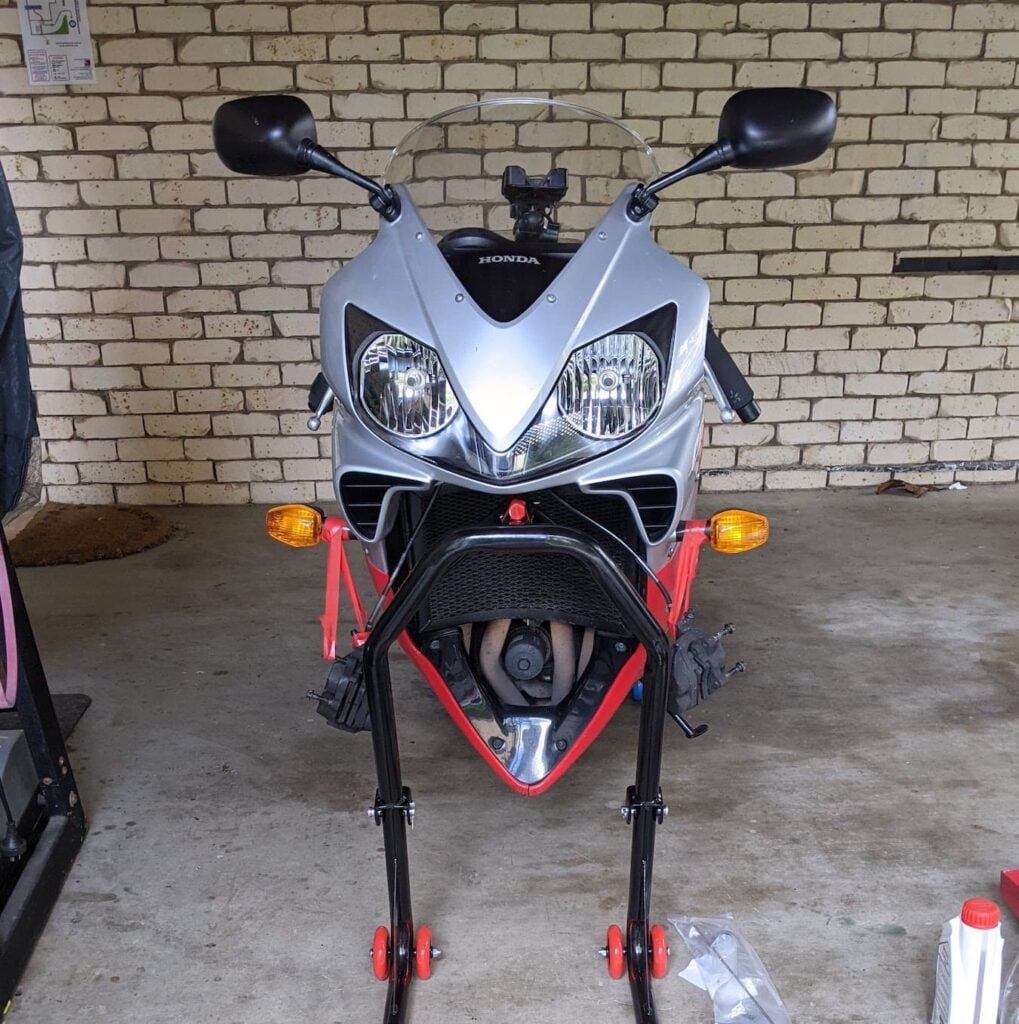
[
  {"x": 334, "y": 533},
  {"x": 9, "y": 667}
]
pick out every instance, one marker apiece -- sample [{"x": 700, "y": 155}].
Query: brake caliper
[
  {"x": 343, "y": 702},
  {"x": 698, "y": 666}
]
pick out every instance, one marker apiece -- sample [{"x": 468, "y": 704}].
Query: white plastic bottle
[
  {"x": 1010, "y": 997},
  {"x": 968, "y": 984}
]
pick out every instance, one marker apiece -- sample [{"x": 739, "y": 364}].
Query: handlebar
[{"x": 734, "y": 388}]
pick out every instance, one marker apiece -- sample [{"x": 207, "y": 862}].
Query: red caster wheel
[
  {"x": 380, "y": 953},
  {"x": 423, "y": 953},
  {"x": 614, "y": 951},
  {"x": 659, "y": 952}
]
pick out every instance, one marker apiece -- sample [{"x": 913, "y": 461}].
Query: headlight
[
  {"x": 609, "y": 391},
  {"x": 611, "y": 387},
  {"x": 404, "y": 387}
]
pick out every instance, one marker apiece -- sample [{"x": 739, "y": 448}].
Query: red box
[{"x": 1010, "y": 890}]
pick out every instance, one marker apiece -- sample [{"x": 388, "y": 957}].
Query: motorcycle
[{"x": 517, "y": 379}]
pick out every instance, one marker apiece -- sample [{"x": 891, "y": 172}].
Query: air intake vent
[
  {"x": 362, "y": 495},
  {"x": 655, "y": 498}
]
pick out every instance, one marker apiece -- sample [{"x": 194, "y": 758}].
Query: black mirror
[
  {"x": 757, "y": 128},
  {"x": 263, "y": 134},
  {"x": 776, "y": 127}
]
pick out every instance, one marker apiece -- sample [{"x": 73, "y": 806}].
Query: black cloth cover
[{"x": 17, "y": 406}]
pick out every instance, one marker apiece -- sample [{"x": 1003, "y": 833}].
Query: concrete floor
[{"x": 856, "y": 785}]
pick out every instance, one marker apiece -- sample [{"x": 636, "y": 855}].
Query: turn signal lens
[
  {"x": 300, "y": 526},
  {"x": 735, "y": 530}
]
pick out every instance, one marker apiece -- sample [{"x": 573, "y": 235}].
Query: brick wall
[{"x": 172, "y": 305}]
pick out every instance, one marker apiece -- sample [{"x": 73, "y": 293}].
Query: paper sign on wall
[{"x": 58, "y": 44}]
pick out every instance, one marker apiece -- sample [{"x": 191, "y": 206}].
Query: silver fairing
[{"x": 502, "y": 373}]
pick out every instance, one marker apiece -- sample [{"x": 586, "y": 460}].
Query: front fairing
[{"x": 503, "y": 373}]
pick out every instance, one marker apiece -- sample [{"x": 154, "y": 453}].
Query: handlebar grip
[
  {"x": 730, "y": 379},
  {"x": 317, "y": 392}
]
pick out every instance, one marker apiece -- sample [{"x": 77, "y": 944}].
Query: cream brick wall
[{"x": 171, "y": 305}]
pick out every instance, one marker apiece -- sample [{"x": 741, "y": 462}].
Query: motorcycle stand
[{"x": 396, "y": 954}]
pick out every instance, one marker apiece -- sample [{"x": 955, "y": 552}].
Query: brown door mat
[{"x": 73, "y": 534}]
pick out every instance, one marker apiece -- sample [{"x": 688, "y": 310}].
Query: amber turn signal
[
  {"x": 300, "y": 526},
  {"x": 735, "y": 530}
]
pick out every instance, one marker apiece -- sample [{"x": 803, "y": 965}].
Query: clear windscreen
[{"x": 453, "y": 164}]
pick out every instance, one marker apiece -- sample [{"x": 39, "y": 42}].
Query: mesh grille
[
  {"x": 489, "y": 585},
  {"x": 655, "y": 498},
  {"x": 362, "y": 495},
  {"x": 534, "y": 585}
]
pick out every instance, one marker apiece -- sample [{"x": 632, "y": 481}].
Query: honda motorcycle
[{"x": 517, "y": 375}]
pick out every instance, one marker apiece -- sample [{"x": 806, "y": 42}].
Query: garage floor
[{"x": 856, "y": 785}]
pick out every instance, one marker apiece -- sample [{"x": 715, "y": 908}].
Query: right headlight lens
[
  {"x": 404, "y": 387},
  {"x": 611, "y": 387}
]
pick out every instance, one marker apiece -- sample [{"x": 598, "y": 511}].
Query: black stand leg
[
  {"x": 24, "y": 915},
  {"x": 394, "y": 810},
  {"x": 645, "y": 812}
]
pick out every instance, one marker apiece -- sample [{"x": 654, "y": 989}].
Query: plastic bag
[
  {"x": 1009, "y": 1013},
  {"x": 725, "y": 965}
]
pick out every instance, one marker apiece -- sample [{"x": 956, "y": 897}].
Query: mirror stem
[
  {"x": 644, "y": 199},
  {"x": 383, "y": 198}
]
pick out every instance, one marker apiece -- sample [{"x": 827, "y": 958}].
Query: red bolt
[{"x": 516, "y": 510}]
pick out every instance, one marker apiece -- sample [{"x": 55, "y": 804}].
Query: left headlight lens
[
  {"x": 404, "y": 387},
  {"x": 611, "y": 387}
]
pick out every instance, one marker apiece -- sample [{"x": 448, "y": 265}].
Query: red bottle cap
[{"x": 981, "y": 914}]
